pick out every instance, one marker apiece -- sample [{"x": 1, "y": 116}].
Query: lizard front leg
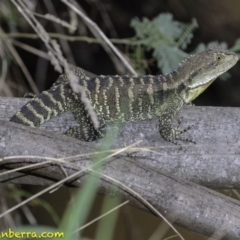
[{"x": 169, "y": 133}]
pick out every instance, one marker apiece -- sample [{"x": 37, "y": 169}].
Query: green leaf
[
  {"x": 236, "y": 46},
  {"x": 165, "y": 37},
  {"x": 202, "y": 46},
  {"x": 166, "y": 26},
  {"x": 168, "y": 57},
  {"x": 187, "y": 34}
]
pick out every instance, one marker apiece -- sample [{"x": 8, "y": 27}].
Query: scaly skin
[{"x": 123, "y": 99}]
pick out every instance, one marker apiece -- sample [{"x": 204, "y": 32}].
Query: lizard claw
[{"x": 178, "y": 133}]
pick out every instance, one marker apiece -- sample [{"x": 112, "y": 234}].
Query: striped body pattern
[
  {"x": 121, "y": 99},
  {"x": 143, "y": 93}
]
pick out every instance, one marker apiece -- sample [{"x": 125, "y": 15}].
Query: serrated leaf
[
  {"x": 187, "y": 34},
  {"x": 165, "y": 36},
  {"x": 141, "y": 28},
  {"x": 202, "y": 46},
  {"x": 166, "y": 26},
  {"x": 161, "y": 29},
  {"x": 236, "y": 46},
  {"x": 168, "y": 57}
]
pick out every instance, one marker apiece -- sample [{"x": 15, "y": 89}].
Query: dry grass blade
[
  {"x": 137, "y": 196},
  {"x": 121, "y": 185},
  {"x": 4, "y": 66},
  {"x": 101, "y": 216},
  {"x": 55, "y": 185},
  {"x": 94, "y": 25},
  {"x": 57, "y": 58},
  {"x": 40, "y": 193},
  {"x": 20, "y": 63},
  {"x": 174, "y": 236},
  {"x": 24, "y": 168},
  {"x": 159, "y": 232},
  {"x": 105, "y": 177},
  {"x": 58, "y": 24},
  {"x": 30, "y": 49},
  {"x": 52, "y": 18}
]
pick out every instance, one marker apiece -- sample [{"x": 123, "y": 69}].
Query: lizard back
[{"x": 116, "y": 98}]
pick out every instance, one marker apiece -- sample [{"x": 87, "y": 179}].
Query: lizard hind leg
[{"x": 86, "y": 131}]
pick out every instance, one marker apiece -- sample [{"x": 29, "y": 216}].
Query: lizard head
[{"x": 202, "y": 69}]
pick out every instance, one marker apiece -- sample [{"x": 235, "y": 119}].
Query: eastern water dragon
[{"x": 121, "y": 99}]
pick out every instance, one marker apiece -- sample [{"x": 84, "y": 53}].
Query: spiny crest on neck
[{"x": 172, "y": 78}]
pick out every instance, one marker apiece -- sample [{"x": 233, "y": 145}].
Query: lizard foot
[
  {"x": 86, "y": 133},
  {"x": 173, "y": 135},
  {"x": 178, "y": 133}
]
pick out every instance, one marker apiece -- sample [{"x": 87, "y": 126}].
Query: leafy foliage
[
  {"x": 140, "y": 64},
  {"x": 166, "y": 37},
  {"x": 202, "y": 46}
]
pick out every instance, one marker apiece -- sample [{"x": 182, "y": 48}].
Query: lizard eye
[{"x": 219, "y": 58}]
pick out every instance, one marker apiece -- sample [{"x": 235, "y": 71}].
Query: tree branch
[{"x": 213, "y": 162}]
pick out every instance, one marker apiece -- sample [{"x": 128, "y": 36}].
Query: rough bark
[{"x": 161, "y": 174}]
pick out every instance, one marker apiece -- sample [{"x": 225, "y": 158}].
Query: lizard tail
[{"x": 43, "y": 107}]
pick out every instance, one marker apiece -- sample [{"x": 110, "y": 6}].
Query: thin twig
[
  {"x": 59, "y": 28},
  {"x": 54, "y": 19},
  {"x": 127, "y": 41}
]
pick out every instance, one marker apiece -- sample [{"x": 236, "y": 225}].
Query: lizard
[{"x": 121, "y": 99}]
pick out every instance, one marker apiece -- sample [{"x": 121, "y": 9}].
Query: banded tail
[{"x": 44, "y": 106}]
